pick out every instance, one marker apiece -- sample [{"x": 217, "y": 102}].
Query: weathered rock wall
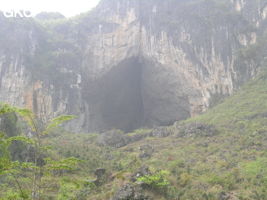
[{"x": 130, "y": 63}]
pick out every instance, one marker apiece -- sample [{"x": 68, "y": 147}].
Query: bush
[{"x": 156, "y": 181}]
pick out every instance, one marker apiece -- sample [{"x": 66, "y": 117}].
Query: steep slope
[
  {"x": 171, "y": 60},
  {"x": 242, "y": 109},
  {"x": 218, "y": 155}
]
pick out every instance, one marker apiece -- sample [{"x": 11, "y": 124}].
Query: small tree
[
  {"x": 9, "y": 167},
  {"x": 41, "y": 163}
]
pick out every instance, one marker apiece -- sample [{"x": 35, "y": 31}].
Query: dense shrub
[{"x": 156, "y": 181}]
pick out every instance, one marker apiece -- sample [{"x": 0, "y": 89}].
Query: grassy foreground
[{"x": 231, "y": 164}]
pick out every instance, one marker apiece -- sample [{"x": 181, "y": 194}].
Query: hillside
[
  {"x": 226, "y": 160},
  {"x": 135, "y": 100},
  {"x": 216, "y": 156}
]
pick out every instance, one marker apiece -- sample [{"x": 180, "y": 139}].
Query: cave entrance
[
  {"x": 118, "y": 101},
  {"x": 134, "y": 94}
]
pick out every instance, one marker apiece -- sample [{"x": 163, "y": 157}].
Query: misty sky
[{"x": 66, "y": 7}]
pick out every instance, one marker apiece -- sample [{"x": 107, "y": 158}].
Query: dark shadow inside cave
[
  {"x": 135, "y": 93},
  {"x": 117, "y": 97}
]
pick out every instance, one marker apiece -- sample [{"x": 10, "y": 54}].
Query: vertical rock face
[{"x": 130, "y": 63}]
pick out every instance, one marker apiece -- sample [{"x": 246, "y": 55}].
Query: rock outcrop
[
  {"x": 129, "y": 191},
  {"x": 130, "y": 63},
  {"x": 195, "y": 129}
]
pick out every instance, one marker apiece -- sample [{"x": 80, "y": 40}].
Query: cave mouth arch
[
  {"x": 118, "y": 99},
  {"x": 136, "y": 93}
]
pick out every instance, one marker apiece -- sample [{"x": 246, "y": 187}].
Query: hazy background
[{"x": 68, "y": 8}]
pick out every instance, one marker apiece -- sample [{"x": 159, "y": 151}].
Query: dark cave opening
[
  {"x": 117, "y": 98},
  {"x": 136, "y": 93}
]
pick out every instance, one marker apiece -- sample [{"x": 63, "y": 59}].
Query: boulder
[
  {"x": 146, "y": 151},
  {"x": 227, "y": 196},
  {"x": 196, "y": 129},
  {"x": 130, "y": 192},
  {"x": 117, "y": 139},
  {"x": 101, "y": 176},
  {"x": 100, "y": 172},
  {"x": 113, "y": 138},
  {"x": 138, "y": 137},
  {"x": 161, "y": 132},
  {"x": 224, "y": 196}
]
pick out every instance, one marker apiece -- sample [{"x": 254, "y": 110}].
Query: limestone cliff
[{"x": 130, "y": 63}]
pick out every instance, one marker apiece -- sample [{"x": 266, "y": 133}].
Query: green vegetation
[
  {"x": 42, "y": 161},
  {"x": 156, "y": 181},
  {"x": 30, "y": 177},
  {"x": 244, "y": 110},
  {"x": 231, "y": 163}
]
